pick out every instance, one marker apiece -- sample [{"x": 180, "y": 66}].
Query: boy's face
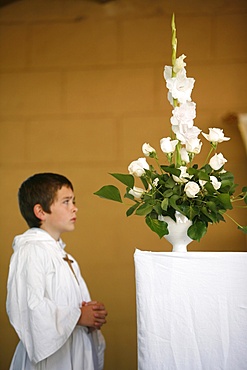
[{"x": 63, "y": 214}]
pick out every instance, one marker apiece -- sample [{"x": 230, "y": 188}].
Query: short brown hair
[{"x": 40, "y": 188}]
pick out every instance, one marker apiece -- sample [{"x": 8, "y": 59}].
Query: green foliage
[
  {"x": 168, "y": 196},
  {"x": 110, "y": 192},
  {"x": 197, "y": 230},
  {"x": 159, "y": 227},
  {"x": 126, "y": 179}
]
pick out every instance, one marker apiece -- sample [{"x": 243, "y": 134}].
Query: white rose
[
  {"x": 184, "y": 155},
  {"x": 193, "y": 146},
  {"x": 184, "y": 176},
  {"x": 214, "y": 181},
  {"x": 156, "y": 181},
  {"x": 191, "y": 189},
  {"x": 216, "y": 135},
  {"x": 202, "y": 182},
  {"x": 137, "y": 168},
  {"x": 136, "y": 192},
  {"x": 217, "y": 161},
  {"x": 167, "y": 145},
  {"x": 147, "y": 149}
]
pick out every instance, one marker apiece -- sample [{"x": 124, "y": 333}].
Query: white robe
[{"x": 43, "y": 304}]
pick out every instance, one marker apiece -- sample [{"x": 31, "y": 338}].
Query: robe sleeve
[{"x": 42, "y": 325}]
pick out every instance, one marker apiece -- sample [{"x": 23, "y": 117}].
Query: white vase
[{"x": 177, "y": 231}]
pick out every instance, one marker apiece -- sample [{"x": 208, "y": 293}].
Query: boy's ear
[{"x": 38, "y": 211}]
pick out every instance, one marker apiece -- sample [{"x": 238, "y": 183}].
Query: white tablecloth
[{"x": 191, "y": 310}]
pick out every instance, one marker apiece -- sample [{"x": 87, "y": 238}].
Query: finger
[
  {"x": 100, "y": 321},
  {"x": 99, "y": 307},
  {"x": 101, "y": 314},
  {"x": 98, "y": 325}
]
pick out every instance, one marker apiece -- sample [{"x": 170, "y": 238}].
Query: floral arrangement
[{"x": 203, "y": 194}]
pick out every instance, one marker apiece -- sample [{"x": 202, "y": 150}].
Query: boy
[{"x": 48, "y": 302}]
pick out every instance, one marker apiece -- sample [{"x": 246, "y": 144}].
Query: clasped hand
[{"x": 93, "y": 314}]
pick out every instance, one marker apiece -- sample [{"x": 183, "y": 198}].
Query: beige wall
[{"x": 81, "y": 89}]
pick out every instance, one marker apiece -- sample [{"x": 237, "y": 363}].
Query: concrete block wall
[{"x": 81, "y": 89}]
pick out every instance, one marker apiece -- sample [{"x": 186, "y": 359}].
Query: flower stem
[
  {"x": 158, "y": 164},
  {"x": 226, "y": 214},
  {"x": 206, "y": 161}
]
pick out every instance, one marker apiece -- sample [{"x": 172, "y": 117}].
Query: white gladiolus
[
  {"x": 167, "y": 72},
  {"x": 184, "y": 135},
  {"x": 179, "y": 63},
  {"x": 191, "y": 189},
  {"x": 167, "y": 145},
  {"x": 184, "y": 114},
  {"x": 214, "y": 181},
  {"x": 136, "y": 192},
  {"x": 216, "y": 135},
  {"x": 138, "y": 167},
  {"x": 217, "y": 161},
  {"x": 181, "y": 86},
  {"x": 147, "y": 149}
]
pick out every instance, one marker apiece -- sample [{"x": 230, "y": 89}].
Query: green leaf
[
  {"x": 168, "y": 193},
  {"x": 159, "y": 227},
  {"x": 227, "y": 176},
  {"x": 225, "y": 200},
  {"x": 110, "y": 192},
  {"x": 197, "y": 230},
  {"x": 165, "y": 204},
  {"x": 125, "y": 179},
  {"x": 171, "y": 170},
  {"x": 144, "y": 181},
  {"x": 169, "y": 183},
  {"x": 225, "y": 185},
  {"x": 207, "y": 168},
  {"x": 173, "y": 201},
  {"x": 190, "y": 211},
  {"x": 157, "y": 208},
  {"x": 211, "y": 216},
  {"x": 132, "y": 209},
  {"x": 212, "y": 206},
  {"x": 209, "y": 187},
  {"x": 144, "y": 209},
  {"x": 200, "y": 174}
]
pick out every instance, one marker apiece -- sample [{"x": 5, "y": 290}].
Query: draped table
[{"x": 191, "y": 310}]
